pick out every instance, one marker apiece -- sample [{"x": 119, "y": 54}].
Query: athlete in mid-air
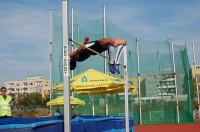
[{"x": 99, "y": 46}]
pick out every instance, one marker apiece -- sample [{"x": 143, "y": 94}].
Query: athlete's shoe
[
  {"x": 117, "y": 69},
  {"x": 112, "y": 68}
]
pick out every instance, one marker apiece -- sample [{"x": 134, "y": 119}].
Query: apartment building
[
  {"x": 162, "y": 83},
  {"x": 30, "y": 85},
  {"x": 196, "y": 78}
]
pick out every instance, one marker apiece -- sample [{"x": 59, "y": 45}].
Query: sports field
[{"x": 168, "y": 128}]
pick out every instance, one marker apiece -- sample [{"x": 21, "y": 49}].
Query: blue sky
[{"x": 25, "y": 26}]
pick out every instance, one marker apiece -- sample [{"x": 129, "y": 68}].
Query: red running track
[{"x": 168, "y": 128}]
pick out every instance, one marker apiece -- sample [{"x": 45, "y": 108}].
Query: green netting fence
[{"x": 158, "y": 100}]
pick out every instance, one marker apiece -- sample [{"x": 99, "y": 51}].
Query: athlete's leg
[
  {"x": 111, "y": 54},
  {"x": 120, "y": 50},
  {"x": 111, "y": 59},
  {"x": 118, "y": 42},
  {"x": 104, "y": 42}
]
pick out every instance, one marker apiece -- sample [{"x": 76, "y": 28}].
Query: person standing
[{"x": 5, "y": 103}]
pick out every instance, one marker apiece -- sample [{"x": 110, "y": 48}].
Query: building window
[
  {"x": 11, "y": 89},
  {"x": 171, "y": 83},
  {"x": 11, "y": 84},
  {"x": 25, "y": 88}
]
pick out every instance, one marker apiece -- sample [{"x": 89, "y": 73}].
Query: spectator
[{"x": 5, "y": 103}]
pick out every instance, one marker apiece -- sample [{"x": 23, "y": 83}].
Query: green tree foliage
[{"x": 31, "y": 100}]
